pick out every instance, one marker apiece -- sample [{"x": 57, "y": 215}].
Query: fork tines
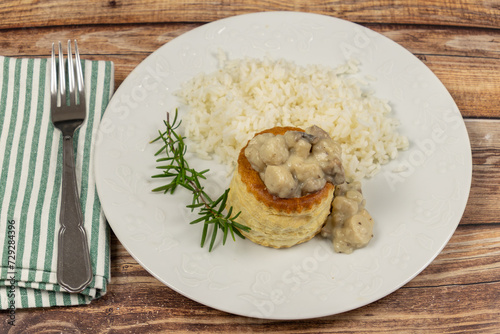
[{"x": 59, "y": 94}]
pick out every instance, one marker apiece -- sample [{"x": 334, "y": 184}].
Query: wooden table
[{"x": 458, "y": 40}]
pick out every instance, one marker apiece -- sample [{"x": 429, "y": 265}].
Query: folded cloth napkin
[{"x": 30, "y": 184}]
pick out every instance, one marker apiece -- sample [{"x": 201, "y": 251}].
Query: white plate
[{"x": 416, "y": 210}]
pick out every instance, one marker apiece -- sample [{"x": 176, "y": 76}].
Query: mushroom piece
[
  {"x": 280, "y": 182},
  {"x": 274, "y": 151}
]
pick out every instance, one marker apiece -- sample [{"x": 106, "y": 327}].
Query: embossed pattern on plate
[{"x": 417, "y": 201}]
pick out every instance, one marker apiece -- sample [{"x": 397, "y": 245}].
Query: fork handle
[{"x": 74, "y": 271}]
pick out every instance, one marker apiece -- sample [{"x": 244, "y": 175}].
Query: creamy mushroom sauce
[
  {"x": 350, "y": 226},
  {"x": 296, "y": 163}
]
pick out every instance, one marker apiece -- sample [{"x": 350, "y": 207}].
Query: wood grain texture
[
  {"x": 128, "y": 39},
  {"x": 467, "y": 62},
  {"x": 482, "y": 207},
  {"x": 138, "y": 303},
  {"x": 32, "y": 13}
]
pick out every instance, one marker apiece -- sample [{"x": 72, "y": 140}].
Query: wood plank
[
  {"x": 482, "y": 207},
  {"x": 15, "y": 14},
  {"x": 470, "y": 257},
  {"x": 146, "y": 38},
  {"x": 442, "y": 299},
  {"x": 444, "y": 41},
  {"x": 484, "y": 135},
  {"x": 468, "y": 63},
  {"x": 473, "y": 83}
]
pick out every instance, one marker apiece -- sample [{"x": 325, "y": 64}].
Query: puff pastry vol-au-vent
[{"x": 285, "y": 197}]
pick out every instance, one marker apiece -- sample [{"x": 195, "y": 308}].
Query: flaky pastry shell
[{"x": 276, "y": 222}]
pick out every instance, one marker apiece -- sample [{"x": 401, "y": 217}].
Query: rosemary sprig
[{"x": 176, "y": 169}]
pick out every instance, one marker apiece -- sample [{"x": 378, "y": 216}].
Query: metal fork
[{"x": 74, "y": 271}]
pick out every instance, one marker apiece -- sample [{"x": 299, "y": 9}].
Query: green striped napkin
[{"x": 30, "y": 184}]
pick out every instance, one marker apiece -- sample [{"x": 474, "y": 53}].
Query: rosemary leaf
[
  {"x": 229, "y": 212},
  {"x": 232, "y": 232},
  {"x": 214, "y": 235},
  {"x": 199, "y": 220},
  {"x": 226, "y": 228},
  {"x": 204, "y": 234},
  {"x": 239, "y": 226},
  {"x": 237, "y": 232},
  {"x": 176, "y": 168},
  {"x": 223, "y": 202}
]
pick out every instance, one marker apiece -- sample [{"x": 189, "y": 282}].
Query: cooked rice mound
[{"x": 227, "y": 107}]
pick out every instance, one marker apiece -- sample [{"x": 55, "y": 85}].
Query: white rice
[{"x": 227, "y": 107}]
